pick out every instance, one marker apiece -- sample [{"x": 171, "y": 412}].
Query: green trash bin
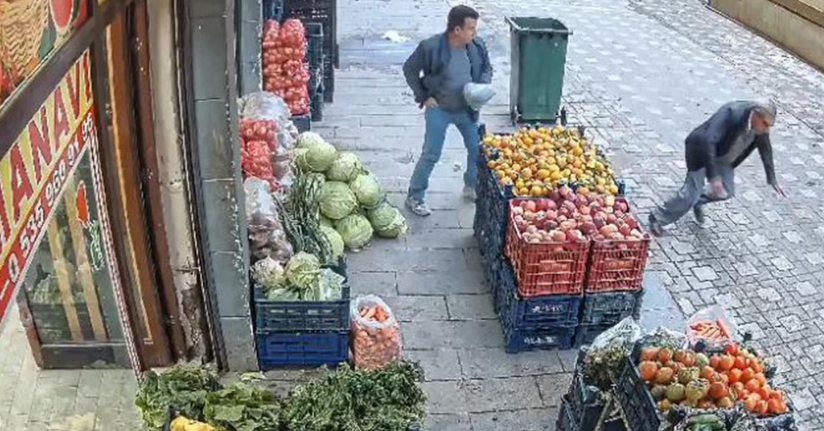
[{"x": 539, "y": 47}]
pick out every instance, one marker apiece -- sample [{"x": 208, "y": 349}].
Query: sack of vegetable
[{"x": 376, "y": 337}]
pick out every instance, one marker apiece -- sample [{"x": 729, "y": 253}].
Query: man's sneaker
[
  {"x": 698, "y": 212},
  {"x": 419, "y": 208},
  {"x": 655, "y": 226},
  {"x": 469, "y": 194}
]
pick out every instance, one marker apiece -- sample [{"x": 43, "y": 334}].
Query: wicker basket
[{"x": 21, "y": 31}]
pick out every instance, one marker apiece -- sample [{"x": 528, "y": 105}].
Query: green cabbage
[
  {"x": 303, "y": 270},
  {"x": 345, "y": 168},
  {"x": 387, "y": 221},
  {"x": 299, "y": 159},
  {"x": 355, "y": 231},
  {"x": 367, "y": 190},
  {"x": 396, "y": 228},
  {"x": 334, "y": 239},
  {"x": 337, "y": 200},
  {"x": 319, "y": 156},
  {"x": 329, "y": 287},
  {"x": 308, "y": 140},
  {"x": 326, "y": 221},
  {"x": 268, "y": 273}
]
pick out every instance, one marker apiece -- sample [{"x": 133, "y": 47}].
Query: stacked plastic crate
[{"x": 302, "y": 332}]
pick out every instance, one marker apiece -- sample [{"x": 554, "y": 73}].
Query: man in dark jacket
[
  {"x": 437, "y": 73},
  {"x": 713, "y": 151}
]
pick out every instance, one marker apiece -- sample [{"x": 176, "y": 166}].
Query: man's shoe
[
  {"x": 698, "y": 212},
  {"x": 655, "y": 226},
  {"x": 469, "y": 194},
  {"x": 419, "y": 208}
]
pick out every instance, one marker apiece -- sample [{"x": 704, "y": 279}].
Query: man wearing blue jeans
[{"x": 437, "y": 73}]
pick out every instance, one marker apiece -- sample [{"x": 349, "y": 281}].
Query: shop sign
[
  {"x": 33, "y": 172},
  {"x": 29, "y": 31}
]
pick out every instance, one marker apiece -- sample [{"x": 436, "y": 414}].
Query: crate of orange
[
  {"x": 546, "y": 262},
  {"x": 534, "y": 160}
]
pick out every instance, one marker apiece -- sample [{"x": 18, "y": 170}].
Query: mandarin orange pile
[{"x": 534, "y": 160}]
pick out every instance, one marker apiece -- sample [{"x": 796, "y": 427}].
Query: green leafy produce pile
[{"x": 389, "y": 399}]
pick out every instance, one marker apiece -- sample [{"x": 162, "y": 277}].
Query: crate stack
[
  {"x": 315, "y": 57},
  {"x": 552, "y": 294},
  {"x": 302, "y": 332}
]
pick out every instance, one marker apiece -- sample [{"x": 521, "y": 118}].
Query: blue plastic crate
[
  {"x": 290, "y": 316},
  {"x": 610, "y": 308},
  {"x": 522, "y": 340},
  {"x": 281, "y": 348},
  {"x": 535, "y": 313}
]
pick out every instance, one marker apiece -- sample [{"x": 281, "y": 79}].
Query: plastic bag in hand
[{"x": 478, "y": 95}]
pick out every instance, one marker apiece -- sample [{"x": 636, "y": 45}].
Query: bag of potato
[{"x": 376, "y": 337}]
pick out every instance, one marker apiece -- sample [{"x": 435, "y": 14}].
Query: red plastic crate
[
  {"x": 617, "y": 265},
  {"x": 552, "y": 268}
]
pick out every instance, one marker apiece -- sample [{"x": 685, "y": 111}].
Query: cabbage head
[
  {"x": 367, "y": 190},
  {"x": 387, "y": 221},
  {"x": 334, "y": 239},
  {"x": 268, "y": 273},
  {"x": 319, "y": 156},
  {"x": 355, "y": 231},
  {"x": 299, "y": 159},
  {"x": 337, "y": 200},
  {"x": 303, "y": 270},
  {"x": 345, "y": 168},
  {"x": 308, "y": 140},
  {"x": 326, "y": 221}
]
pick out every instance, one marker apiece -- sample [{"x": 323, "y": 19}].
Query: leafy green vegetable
[
  {"x": 334, "y": 240},
  {"x": 182, "y": 388},
  {"x": 387, "y": 221},
  {"x": 242, "y": 407},
  {"x": 303, "y": 270},
  {"x": 337, "y": 200},
  {"x": 367, "y": 190},
  {"x": 345, "y": 168},
  {"x": 353, "y": 400},
  {"x": 355, "y": 231}
]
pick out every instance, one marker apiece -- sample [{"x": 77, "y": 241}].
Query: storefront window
[
  {"x": 30, "y": 30},
  {"x": 68, "y": 284}
]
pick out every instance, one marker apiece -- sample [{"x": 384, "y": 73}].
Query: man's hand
[
  {"x": 430, "y": 102},
  {"x": 717, "y": 189},
  {"x": 779, "y": 190}
]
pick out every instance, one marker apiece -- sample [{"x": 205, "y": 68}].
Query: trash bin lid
[{"x": 537, "y": 25}]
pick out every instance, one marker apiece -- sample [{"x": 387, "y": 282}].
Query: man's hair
[
  {"x": 458, "y": 15},
  {"x": 766, "y": 108}
]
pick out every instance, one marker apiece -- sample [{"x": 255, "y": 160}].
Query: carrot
[
  {"x": 370, "y": 313},
  {"x": 723, "y": 327},
  {"x": 380, "y": 315}
]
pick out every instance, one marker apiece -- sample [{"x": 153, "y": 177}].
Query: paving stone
[
  {"x": 458, "y": 422},
  {"x": 445, "y": 397},
  {"x": 451, "y": 334},
  {"x": 470, "y": 307},
  {"x": 375, "y": 283},
  {"x": 501, "y": 394},
  {"x": 454, "y": 282},
  {"x": 553, "y": 387},
  {"x": 495, "y": 363},
  {"x": 705, "y": 273},
  {"x": 439, "y": 364},
  {"x": 418, "y": 308},
  {"x": 520, "y": 420}
]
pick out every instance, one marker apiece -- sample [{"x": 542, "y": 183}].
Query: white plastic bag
[
  {"x": 624, "y": 334},
  {"x": 267, "y": 238},
  {"x": 713, "y": 326},
  {"x": 478, "y": 95},
  {"x": 376, "y": 336}
]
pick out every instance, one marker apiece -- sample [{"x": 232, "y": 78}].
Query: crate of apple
[{"x": 567, "y": 216}]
